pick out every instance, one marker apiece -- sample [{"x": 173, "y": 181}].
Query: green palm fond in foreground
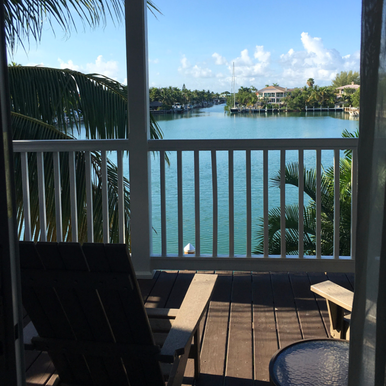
[
  {"x": 41, "y": 96},
  {"x": 309, "y": 212}
]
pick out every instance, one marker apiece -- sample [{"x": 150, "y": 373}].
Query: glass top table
[{"x": 312, "y": 362}]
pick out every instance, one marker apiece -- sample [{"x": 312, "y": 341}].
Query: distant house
[
  {"x": 154, "y": 105},
  {"x": 342, "y": 89},
  {"x": 273, "y": 93}
]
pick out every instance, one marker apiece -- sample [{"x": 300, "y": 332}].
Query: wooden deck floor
[{"x": 250, "y": 316}]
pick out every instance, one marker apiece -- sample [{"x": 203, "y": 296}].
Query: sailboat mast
[{"x": 234, "y": 86}]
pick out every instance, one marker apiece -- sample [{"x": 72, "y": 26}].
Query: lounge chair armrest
[
  {"x": 334, "y": 293},
  {"x": 192, "y": 308},
  {"x": 338, "y": 301}
]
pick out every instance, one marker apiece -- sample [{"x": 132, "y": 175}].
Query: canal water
[{"x": 213, "y": 123}]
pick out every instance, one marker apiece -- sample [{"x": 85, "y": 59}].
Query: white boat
[
  {"x": 354, "y": 113},
  {"x": 177, "y": 108},
  {"x": 189, "y": 249}
]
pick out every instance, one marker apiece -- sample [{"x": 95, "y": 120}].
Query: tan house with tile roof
[
  {"x": 274, "y": 93},
  {"x": 352, "y": 86}
]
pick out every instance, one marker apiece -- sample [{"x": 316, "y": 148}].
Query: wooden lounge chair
[
  {"x": 339, "y": 303},
  {"x": 86, "y": 306}
]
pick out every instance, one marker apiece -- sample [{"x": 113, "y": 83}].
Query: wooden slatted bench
[{"x": 339, "y": 304}]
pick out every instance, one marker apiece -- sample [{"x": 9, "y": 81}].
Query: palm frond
[
  {"x": 71, "y": 100},
  {"x": 291, "y": 232},
  {"x": 28, "y": 18}
]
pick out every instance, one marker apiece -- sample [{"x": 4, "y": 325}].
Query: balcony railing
[{"x": 199, "y": 170}]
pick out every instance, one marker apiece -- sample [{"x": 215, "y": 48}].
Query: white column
[{"x": 139, "y": 133}]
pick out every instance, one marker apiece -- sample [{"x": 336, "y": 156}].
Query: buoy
[{"x": 189, "y": 249}]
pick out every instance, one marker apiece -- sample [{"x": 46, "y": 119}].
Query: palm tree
[
  {"x": 309, "y": 213},
  {"x": 41, "y": 96},
  {"x": 310, "y": 82}
]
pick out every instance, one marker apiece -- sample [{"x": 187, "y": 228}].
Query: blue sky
[{"x": 195, "y": 43}]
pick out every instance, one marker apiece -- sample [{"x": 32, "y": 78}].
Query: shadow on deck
[{"x": 251, "y": 315}]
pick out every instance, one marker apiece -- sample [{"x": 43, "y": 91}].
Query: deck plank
[
  {"x": 286, "y": 316},
  {"x": 214, "y": 344},
  {"x": 264, "y": 326},
  {"x": 315, "y": 278},
  {"x": 239, "y": 366},
  {"x": 311, "y": 322},
  {"x": 159, "y": 294},
  {"x": 41, "y": 371}
]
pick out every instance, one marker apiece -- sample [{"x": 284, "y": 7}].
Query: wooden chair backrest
[{"x": 87, "y": 308}]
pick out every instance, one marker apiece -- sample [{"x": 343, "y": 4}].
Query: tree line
[
  {"x": 310, "y": 95},
  {"x": 168, "y": 96}
]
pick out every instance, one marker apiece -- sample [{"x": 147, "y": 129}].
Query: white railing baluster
[
  {"x": 265, "y": 201},
  {"x": 121, "y": 199},
  {"x": 105, "y": 198},
  {"x": 336, "y": 202},
  {"x": 215, "y": 202},
  {"x": 231, "y": 205},
  {"x": 42, "y": 197},
  {"x": 89, "y": 197},
  {"x": 318, "y": 203},
  {"x": 197, "y": 200},
  {"x": 180, "y": 207},
  {"x": 26, "y": 197},
  {"x": 301, "y": 203},
  {"x": 282, "y": 203},
  {"x": 73, "y": 198},
  {"x": 163, "y": 203},
  {"x": 58, "y": 197},
  {"x": 249, "y": 202},
  {"x": 354, "y": 199}
]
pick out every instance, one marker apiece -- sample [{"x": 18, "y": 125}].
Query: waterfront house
[
  {"x": 274, "y": 94},
  {"x": 351, "y": 86},
  {"x": 368, "y": 250},
  {"x": 155, "y": 105}
]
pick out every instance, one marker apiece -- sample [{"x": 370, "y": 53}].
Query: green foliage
[
  {"x": 355, "y": 98},
  {"x": 171, "y": 95},
  {"x": 29, "y": 18},
  {"x": 314, "y": 96},
  {"x": 346, "y": 77},
  {"x": 296, "y": 100},
  {"x": 246, "y": 96},
  {"x": 309, "y": 213},
  {"x": 41, "y": 96}
]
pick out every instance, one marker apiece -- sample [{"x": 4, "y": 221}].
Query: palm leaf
[
  {"x": 291, "y": 232},
  {"x": 28, "y": 18},
  {"x": 70, "y": 98}
]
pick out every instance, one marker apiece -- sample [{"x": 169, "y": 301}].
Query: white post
[{"x": 139, "y": 133}]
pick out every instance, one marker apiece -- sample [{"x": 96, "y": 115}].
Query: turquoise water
[{"x": 213, "y": 123}]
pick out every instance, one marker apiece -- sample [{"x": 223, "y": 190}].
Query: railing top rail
[
  {"x": 252, "y": 144},
  {"x": 186, "y": 144},
  {"x": 69, "y": 145}
]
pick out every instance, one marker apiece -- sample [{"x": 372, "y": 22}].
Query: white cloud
[
  {"x": 109, "y": 68},
  {"x": 184, "y": 62},
  {"x": 155, "y": 61},
  {"x": 70, "y": 64},
  {"x": 219, "y": 60},
  {"x": 196, "y": 71},
  {"x": 247, "y": 68},
  {"x": 315, "y": 61}
]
